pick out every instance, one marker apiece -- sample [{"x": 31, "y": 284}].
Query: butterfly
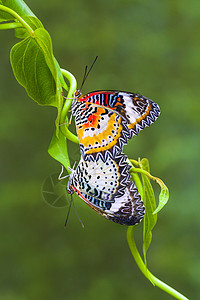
[
  {"x": 106, "y": 187},
  {"x": 106, "y": 120}
]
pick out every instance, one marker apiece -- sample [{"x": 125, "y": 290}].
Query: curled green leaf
[
  {"x": 163, "y": 197},
  {"x": 164, "y": 194}
]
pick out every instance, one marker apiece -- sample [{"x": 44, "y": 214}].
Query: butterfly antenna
[
  {"x": 84, "y": 76},
  {"x": 86, "y": 73},
  {"x": 70, "y": 205}
]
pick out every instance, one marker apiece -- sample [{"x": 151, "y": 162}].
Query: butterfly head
[{"x": 76, "y": 95}]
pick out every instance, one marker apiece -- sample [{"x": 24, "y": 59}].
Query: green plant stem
[
  {"x": 134, "y": 162},
  {"x": 138, "y": 170},
  {"x": 16, "y": 16},
  {"x": 141, "y": 171},
  {"x": 144, "y": 269},
  {"x": 68, "y": 134},
  {"x": 72, "y": 88},
  {"x": 66, "y": 107},
  {"x": 12, "y": 25}
]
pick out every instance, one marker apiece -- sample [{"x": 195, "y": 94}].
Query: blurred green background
[{"x": 150, "y": 47}]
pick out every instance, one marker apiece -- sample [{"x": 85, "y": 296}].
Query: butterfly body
[{"x": 105, "y": 121}]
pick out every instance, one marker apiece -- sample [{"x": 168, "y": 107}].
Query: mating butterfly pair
[{"x": 105, "y": 121}]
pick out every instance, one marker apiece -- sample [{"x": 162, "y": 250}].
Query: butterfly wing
[
  {"x": 105, "y": 120},
  {"x": 106, "y": 188},
  {"x": 101, "y": 131}
]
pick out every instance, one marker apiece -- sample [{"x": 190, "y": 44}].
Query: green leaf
[
  {"x": 32, "y": 72},
  {"x": 58, "y": 149},
  {"x": 18, "y": 6},
  {"x": 164, "y": 194},
  {"x": 34, "y": 65},
  {"x": 34, "y": 23},
  {"x": 44, "y": 41},
  {"x": 34, "y": 68},
  {"x": 150, "y": 206},
  {"x": 163, "y": 197}
]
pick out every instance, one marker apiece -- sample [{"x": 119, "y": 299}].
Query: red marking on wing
[
  {"x": 85, "y": 200},
  {"x": 92, "y": 119},
  {"x": 107, "y": 99},
  {"x": 85, "y": 98}
]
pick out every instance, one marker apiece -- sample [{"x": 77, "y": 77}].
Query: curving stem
[
  {"x": 155, "y": 281},
  {"x": 16, "y": 16},
  {"x": 67, "y": 105}
]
